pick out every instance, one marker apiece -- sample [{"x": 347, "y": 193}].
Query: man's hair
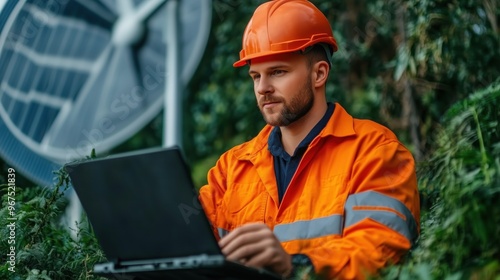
[{"x": 316, "y": 53}]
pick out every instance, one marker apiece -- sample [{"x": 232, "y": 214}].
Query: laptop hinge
[{"x": 190, "y": 261}]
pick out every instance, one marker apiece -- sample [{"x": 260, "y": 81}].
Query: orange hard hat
[{"x": 283, "y": 26}]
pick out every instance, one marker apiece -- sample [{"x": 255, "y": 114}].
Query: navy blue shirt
[{"x": 286, "y": 165}]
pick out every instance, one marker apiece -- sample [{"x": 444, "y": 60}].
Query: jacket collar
[{"x": 341, "y": 124}]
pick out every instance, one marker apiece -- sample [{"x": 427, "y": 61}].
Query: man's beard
[{"x": 298, "y": 106}]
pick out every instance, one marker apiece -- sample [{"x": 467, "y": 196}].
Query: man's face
[{"x": 283, "y": 87}]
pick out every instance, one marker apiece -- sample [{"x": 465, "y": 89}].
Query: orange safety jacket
[{"x": 352, "y": 206}]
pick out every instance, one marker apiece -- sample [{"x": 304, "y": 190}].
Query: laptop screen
[{"x": 143, "y": 205}]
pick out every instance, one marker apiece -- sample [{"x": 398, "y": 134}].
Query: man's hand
[{"x": 255, "y": 245}]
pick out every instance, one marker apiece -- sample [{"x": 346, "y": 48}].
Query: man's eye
[
  {"x": 255, "y": 77},
  {"x": 277, "y": 72}
]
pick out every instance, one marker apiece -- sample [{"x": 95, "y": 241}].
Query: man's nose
[{"x": 264, "y": 86}]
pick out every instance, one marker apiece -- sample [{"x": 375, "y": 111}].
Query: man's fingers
[
  {"x": 244, "y": 253},
  {"x": 248, "y": 228},
  {"x": 272, "y": 257},
  {"x": 241, "y": 240},
  {"x": 244, "y": 242},
  {"x": 255, "y": 245},
  {"x": 263, "y": 258}
]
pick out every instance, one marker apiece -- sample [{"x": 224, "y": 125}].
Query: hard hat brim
[{"x": 286, "y": 47}]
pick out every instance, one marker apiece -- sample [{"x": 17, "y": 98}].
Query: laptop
[{"x": 145, "y": 213}]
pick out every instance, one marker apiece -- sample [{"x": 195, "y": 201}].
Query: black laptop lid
[{"x": 143, "y": 205}]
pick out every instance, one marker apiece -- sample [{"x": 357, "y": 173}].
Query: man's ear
[{"x": 320, "y": 73}]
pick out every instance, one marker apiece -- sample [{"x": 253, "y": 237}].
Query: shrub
[
  {"x": 460, "y": 185},
  {"x": 44, "y": 247}
]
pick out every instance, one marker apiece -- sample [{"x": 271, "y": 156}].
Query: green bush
[
  {"x": 460, "y": 185},
  {"x": 44, "y": 247}
]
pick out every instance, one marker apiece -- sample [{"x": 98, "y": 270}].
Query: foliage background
[{"x": 401, "y": 63}]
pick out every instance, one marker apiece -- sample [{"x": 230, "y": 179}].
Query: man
[{"x": 315, "y": 187}]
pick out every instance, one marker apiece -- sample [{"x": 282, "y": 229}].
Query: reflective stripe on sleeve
[
  {"x": 309, "y": 229},
  {"x": 406, "y": 227}
]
